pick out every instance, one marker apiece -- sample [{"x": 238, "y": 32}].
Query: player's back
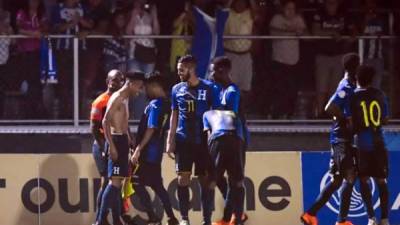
[
  {"x": 369, "y": 110},
  {"x": 99, "y": 106},
  {"x": 222, "y": 122},
  {"x": 156, "y": 116}
]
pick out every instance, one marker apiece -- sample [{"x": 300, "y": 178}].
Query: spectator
[
  {"x": 330, "y": 22},
  {"x": 5, "y": 29},
  {"x": 285, "y": 58},
  {"x": 142, "y": 52},
  {"x": 208, "y": 33},
  {"x": 180, "y": 47},
  {"x": 114, "y": 51},
  {"x": 98, "y": 14},
  {"x": 374, "y": 24},
  {"x": 69, "y": 18},
  {"x": 240, "y": 22},
  {"x": 31, "y": 21}
]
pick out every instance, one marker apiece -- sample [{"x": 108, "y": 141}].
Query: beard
[{"x": 185, "y": 77}]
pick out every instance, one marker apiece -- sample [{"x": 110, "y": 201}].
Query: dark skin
[
  {"x": 153, "y": 91},
  {"x": 333, "y": 110},
  {"x": 114, "y": 82},
  {"x": 221, "y": 75}
]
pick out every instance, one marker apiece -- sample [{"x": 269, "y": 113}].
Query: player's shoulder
[
  {"x": 102, "y": 99},
  {"x": 233, "y": 88},
  {"x": 178, "y": 86},
  {"x": 155, "y": 103}
]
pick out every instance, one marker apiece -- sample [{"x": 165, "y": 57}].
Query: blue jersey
[
  {"x": 341, "y": 98},
  {"x": 221, "y": 122},
  {"x": 230, "y": 100},
  {"x": 208, "y": 38},
  {"x": 369, "y": 108},
  {"x": 156, "y": 115},
  {"x": 191, "y": 103}
]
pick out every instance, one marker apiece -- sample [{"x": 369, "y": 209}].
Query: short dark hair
[
  {"x": 350, "y": 61},
  {"x": 222, "y": 61},
  {"x": 187, "y": 59},
  {"x": 365, "y": 75},
  {"x": 132, "y": 76},
  {"x": 159, "y": 80}
]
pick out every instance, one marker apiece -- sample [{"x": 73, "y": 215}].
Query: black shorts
[
  {"x": 373, "y": 163},
  {"x": 148, "y": 174},
  {"x": 120, "y": 167},
  {"x": 227, "y": 155},
  {"x": 188, "y": 153},
  {"x": 343, "y": 158}
]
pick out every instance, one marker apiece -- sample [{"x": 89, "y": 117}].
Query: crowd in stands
[{"x": 277, "y": 77}]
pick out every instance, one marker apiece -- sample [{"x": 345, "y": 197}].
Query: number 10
[{"x": 369, "y": 116}]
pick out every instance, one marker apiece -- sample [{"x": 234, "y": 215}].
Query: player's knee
[
  {"x": 183, "y": 180},
  {"x": 236, "y": 183}
]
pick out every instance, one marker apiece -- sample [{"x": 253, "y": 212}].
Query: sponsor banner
[
  {"x": 61, "y": 189},
  {"x": 316, "y": 176}
]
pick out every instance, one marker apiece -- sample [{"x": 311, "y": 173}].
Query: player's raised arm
[{"x": 111, "y": 109}]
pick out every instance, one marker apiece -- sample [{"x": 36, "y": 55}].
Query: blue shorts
[
  {"x": 99, "y": 159},
  {"x": 120, "y": 167}
]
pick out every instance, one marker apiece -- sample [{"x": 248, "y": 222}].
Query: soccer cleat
[
  {"x": 221, "y": 222},
  {"x": 344, "y": 223},
  {"x": 309, "y": 219},
  {"x": 172, "y": 221},
  {"x": 372, "y": 221},
  {"x": 233, "y": 218},
  {"x": 184, "y": 222},
  {"x": 384, "y": 222}
]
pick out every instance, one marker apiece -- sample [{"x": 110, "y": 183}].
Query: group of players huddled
[
  {"x": 357, "y": 145},
  {"x": 205, "y": 126}
]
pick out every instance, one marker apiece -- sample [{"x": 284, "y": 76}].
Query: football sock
[{"x": 183, "y": 197}]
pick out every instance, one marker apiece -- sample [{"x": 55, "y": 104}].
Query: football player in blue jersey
[
  {"x": 148, "y": 153},
  {"x": 189, "y": 100},
  {"x": 220, "y": 70},
  {"x": 342, "y": 165},
  {"x": 368, "y": 112},
  {"x": 225, "y": 139}
]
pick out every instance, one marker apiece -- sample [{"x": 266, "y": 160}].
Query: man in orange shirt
[{"x": 115, "y": 80}]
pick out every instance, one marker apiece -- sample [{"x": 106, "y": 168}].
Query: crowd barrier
[{"x": 278, "y": 185}]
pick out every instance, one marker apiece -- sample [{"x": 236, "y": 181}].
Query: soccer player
[
  {"x": 150, "y": 148},
  {"x": 342, "y": 166},
  {"x": 220, "y": 70},
  {"x": 225, "y": 145},
  {"x": 190, "y": 99},
  {"x": 115, "y": 80},
  {"x": 116, "y": 132},
  {"x": 368, "y": 112}
]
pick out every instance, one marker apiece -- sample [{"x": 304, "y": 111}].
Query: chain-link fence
[{"x": 281, "y": 77}]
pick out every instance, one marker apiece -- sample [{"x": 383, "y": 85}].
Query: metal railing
[{"x": 76, "y": 120}]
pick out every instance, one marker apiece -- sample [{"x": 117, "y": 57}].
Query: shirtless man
[{"x": 116, "y": 132}]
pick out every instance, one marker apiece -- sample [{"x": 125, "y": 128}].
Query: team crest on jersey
[{"x": 202, "y": 95}]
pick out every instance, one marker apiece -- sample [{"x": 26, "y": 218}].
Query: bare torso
[{"x": 120, "y": 116}]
